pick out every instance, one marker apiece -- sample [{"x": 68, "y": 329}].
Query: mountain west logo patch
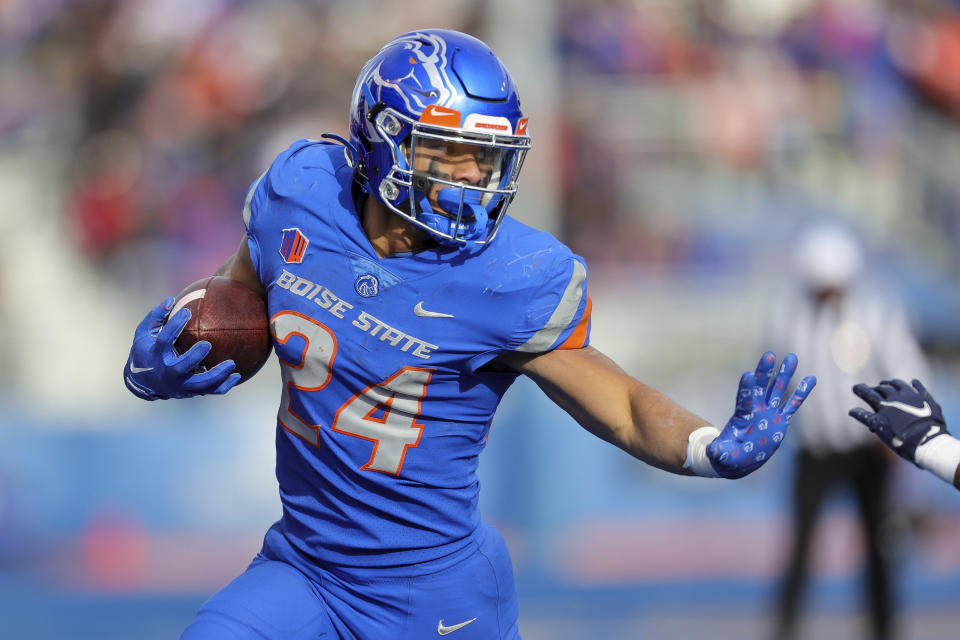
[{"x": 293, "y": 245}]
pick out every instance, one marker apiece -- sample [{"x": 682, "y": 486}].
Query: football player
[
  {"x": 403, "y": 302},
  {"x": 909, "y": 421}
]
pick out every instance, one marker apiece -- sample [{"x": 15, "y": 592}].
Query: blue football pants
[{"x": 474, "y": 599}]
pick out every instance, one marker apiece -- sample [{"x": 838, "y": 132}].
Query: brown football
[{"x": 231, "y": 317}]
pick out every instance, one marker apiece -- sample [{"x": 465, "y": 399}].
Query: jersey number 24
[{"x": 384, "y": 413}]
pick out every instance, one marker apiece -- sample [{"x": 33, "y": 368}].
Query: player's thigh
[
  {"x": 476, "y": 600},
  {"x": 269, "y": 600}
]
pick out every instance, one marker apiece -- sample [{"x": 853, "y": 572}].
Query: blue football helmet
[{"x": 437, "y": 134}]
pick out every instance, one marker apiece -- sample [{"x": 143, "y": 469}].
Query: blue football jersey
[{"x": 386, "y": 403}]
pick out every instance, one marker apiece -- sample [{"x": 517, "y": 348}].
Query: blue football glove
[
  {"x": 759, "y": 421},
  {"x": 906, "y": 417},
  {"x": 155, "y": 371}
]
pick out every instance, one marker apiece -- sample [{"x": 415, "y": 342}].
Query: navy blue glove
[
  {"x": 155, "y": 371},
  {"x": 759, "y": 421},
  {"x": 906, "y": 417}
]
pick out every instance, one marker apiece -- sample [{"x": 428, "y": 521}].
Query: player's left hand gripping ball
[
  {"x": 155, "y": 371},
  {"x": 760, "y": 419}
]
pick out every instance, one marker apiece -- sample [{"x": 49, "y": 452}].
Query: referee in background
[{"x": 845, "y": 334}]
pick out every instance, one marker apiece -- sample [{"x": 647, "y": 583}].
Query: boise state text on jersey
[{"x": 385, "y": 403}]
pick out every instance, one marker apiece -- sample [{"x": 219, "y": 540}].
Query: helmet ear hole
[{"x": 365, "y": 145}]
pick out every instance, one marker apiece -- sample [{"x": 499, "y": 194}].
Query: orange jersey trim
[{"x": 578, "y": 338}]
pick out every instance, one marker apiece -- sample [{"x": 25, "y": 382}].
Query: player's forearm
[
  {"x": 636, "y": 418},
  {"x": 659, "y": 429},
  {"x": 612, "y": 405}
]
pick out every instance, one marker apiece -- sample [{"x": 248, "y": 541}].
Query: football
[{"x": 231, "y": 317}]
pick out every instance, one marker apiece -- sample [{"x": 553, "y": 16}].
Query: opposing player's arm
[
  {"x": 239, "y": 267},
  {"x": 616, "y": 407}
]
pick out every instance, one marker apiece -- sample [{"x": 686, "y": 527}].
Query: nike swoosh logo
[
  {"x": 423, "y": 313},
  {"x": 920, "y": 412},
  {"x": 134, "y": 369},
  {"x": 442, "y": 630}
]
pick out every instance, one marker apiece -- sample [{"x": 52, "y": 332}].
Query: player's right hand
[
  {"x": 905, "y": 417},
  {"x": 154, "y": 371}
]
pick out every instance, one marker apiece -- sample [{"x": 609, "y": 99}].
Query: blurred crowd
[
  {"x": 692, "y": 125},
  {"x": 166, "y": 110},
  {"x": 163, "y": 113},
  {"x": 687, "y": 128}
]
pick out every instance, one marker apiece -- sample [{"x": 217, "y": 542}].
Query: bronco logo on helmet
[{"x": 420, "y": 78}]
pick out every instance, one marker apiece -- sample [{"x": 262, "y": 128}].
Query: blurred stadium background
[{"x": 679, "y": 145}]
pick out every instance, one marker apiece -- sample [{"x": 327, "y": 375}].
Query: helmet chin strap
[{"x": 449, "y": 200}]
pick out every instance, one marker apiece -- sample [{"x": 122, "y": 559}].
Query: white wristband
[
  {"x": 940, "y": 456},
  {"x": 697, "y": 460}
]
